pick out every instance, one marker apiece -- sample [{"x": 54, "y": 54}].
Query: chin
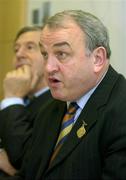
[{"x": 58, "y": 96}]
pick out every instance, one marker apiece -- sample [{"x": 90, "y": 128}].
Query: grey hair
[
  {"x": 26, "y": 29},
  {"x": 94, "y": 30}
]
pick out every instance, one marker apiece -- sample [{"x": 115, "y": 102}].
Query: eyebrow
[
  {"x": 57, "y": 44},
  {"x": 62, "y": 44},
  {"x": 28, "y": 42}
]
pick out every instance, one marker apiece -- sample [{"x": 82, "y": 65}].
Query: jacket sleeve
[{"x": 15, "y": 130}]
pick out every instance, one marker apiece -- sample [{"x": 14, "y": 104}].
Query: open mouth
[{"x": 53, "y": 81}]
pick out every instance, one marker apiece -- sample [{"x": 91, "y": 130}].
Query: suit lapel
[
  {"x": 53, "y": 129},
  {"x": 56, "y": 124},
  {"x": 88, "y": 116}
]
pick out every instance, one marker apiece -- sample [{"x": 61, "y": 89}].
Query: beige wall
[{"x": 12, "y": 17}]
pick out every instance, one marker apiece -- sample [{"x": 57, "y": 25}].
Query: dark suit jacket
[
  {"x": 16, "y": 123},
  {"x": 99, "y": 154}
]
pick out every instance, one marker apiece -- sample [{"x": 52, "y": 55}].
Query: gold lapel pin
[{"x": 81, "y": 131}]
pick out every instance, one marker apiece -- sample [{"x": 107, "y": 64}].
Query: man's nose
[
  {"x": 20, "y": 53},
  {"x": 51, "y": 65}
]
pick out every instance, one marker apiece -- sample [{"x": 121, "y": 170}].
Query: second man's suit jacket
[{"x": 16, "y": 123}]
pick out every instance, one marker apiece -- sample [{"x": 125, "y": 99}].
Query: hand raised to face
[{"x": 18, "y": 82}]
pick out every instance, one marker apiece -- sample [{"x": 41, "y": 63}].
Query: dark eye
[
  {"x": 45, "y": 55},
  {"x": 29, "y": 47},
  {"x": 16, "y": 50},
  {"x": 61, "y": 55}
]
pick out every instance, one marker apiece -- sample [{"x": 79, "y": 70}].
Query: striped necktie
[{"x": 67, "y": 124}]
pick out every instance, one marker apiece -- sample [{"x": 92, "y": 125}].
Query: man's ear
[{"x": 99, "y": 58}]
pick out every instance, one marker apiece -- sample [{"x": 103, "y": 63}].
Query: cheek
[
  {"x": 41, "y": 69},
  {"x": 38, "y": 63},
  {"x": 78, "y": 73},
  {"x": 71, "y": 75}
]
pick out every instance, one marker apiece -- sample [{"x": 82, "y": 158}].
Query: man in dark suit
[
  {"x": 75, "y": 47},
  {"x": 27, "y": 79}
]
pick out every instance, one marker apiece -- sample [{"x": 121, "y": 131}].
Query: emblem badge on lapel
[{"x": 81, "y": 131}]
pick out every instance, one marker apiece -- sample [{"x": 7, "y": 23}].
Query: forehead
[
  {"x": 70, "y": 33},
  {"x": 32, "y": 36}
]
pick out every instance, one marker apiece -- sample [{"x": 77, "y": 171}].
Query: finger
[
  {"x": 24, "y": 70},
  {"x": 10, "y": 74},
  {"x": 27, "y": 69}
]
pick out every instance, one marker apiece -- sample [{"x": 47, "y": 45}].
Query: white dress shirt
[{"x": 19, "y": 101}]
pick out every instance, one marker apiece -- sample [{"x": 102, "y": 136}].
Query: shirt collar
[{"x": 41, "y": 91}]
